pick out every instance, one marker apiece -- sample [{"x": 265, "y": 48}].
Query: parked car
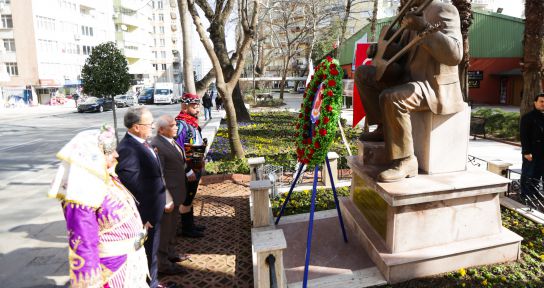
[
  {"x": 147, "y": 96},
  {"x": 125, "y": 100},
  {"x": 94, "y": 104}
]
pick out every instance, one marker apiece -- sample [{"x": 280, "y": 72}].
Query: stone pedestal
[
  {"x": 441, "y": 141},
  {"x": 429, "y": 224}
]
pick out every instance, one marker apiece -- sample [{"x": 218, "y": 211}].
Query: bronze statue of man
[{"x": 428, "y": 80}]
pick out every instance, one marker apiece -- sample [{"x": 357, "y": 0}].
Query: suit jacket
[
  {"x": 173, "y": 166},
  {"x": 141, "y": 173},
  {"x": 531, "y": 130},
  {"x": 433, "y": 64}
]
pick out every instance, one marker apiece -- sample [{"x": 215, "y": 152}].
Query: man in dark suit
[
  {"x": 172, "y": 158},
  {"x": 140, "y": 171},
  {"x": 428, "y": 81},
  {"x": 532, "y": 149}
]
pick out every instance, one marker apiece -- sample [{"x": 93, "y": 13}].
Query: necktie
[
  {"x": 150, "y": 149},
  {"x": 178, "y": 148}
]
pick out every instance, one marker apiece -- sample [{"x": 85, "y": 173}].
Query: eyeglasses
[{"x": 149, "y": 125}]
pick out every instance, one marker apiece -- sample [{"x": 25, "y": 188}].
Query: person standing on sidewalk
[
  {"x": 207, "y": 103},
  {"x": 172, "y": 158},
  {"x": 140, "y": 171},
  {"x": 105, "y": 231},
  {"x": 532, "y": 149},
  {"x": 190, "y": 137}
]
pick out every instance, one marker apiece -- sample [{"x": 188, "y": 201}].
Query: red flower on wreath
[
  {"x": 329, "y": 108},
  {"x": 326, "y": 120},
  {"x": 317, "y": 122},
  {"x": 317, "y": 145},
  {"x": 329, "y": 58},
  {"x": 300, "y": 115},
  {"x": 330, "y": 93},
  {"x": 333, "y": 66},
  {"x": 323, "y": 76},
  {"x": 334, "y": 72},
  {"x": 322, "y": 132},
  {"x": 332, "y": 83}
]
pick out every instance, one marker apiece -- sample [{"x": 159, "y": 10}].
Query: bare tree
[
  {"x": 227, "y": 73},
  {"x": 533, "y": 53}
]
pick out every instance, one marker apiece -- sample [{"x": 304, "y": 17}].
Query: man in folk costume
[{"x": 190, "y": 137}]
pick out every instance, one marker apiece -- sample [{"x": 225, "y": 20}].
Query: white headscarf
[{"x": 82, "y": 177}]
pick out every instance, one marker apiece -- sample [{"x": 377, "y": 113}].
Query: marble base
[
  {"x": 435, "y": 147},
  {"x": 428, "y": 224},
  {"x": 403, "y": 266}
]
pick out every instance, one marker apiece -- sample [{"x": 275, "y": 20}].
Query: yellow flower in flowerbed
[
  {"x": 503, "y": 278},
  {"x": 462, "y": 272},
  {"x": 531, "y": 244},
  {"x": 542, "y": 230},
  {"x": 542, "y": 257},
  {"x": 484, "y": 283}
]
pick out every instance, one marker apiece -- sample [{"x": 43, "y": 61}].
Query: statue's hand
[
  {"x": 372, "y": 50},
  {"x": 414, "y": 22}
]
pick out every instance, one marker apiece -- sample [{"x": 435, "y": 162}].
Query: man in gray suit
[
  {"x": 172, "y": 158},
  {"x": 429, "y": 80}
]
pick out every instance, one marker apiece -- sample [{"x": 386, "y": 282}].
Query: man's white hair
[{"x": 163, "y": 122}]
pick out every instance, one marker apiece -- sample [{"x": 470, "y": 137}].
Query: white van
[{"x": 164, "y": 93}]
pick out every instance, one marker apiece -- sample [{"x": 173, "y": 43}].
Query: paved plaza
[{"x": 32, "y": 231}]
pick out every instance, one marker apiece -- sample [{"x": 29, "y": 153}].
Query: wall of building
[{"x": 489, "y": 88}]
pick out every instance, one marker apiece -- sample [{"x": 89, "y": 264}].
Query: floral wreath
[{"x": 317, "y": 122}]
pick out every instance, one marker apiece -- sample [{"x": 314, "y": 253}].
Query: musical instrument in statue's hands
[{"x": 414, "y": 21}]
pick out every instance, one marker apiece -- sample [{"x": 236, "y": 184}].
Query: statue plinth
[{"x": 429, "y": 224}]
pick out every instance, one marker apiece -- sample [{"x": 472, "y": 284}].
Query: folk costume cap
[{"x": 190, "y": 98}]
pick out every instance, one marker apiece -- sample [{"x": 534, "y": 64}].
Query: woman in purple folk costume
[{"x": 105, "y": 232}]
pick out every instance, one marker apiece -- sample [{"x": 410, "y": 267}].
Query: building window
[
  {"x": 162, "y": 42},
  {"x": 87, "y": 31},
  {"x": 161, "y": 17},
  {"x": 163, "y": 67},
  {"x": 155, "y": 54},
  {"x": 7, "y": 21},
  {"x": 87, "y": 49},
  {"x": 156, "y": 66},
  {"x": 9, "y": 44},
  {"x": 161, "y": 29},
  {"x": 163, "y": 54},
  {"x": 5, "y": 1},
  {"x": 11, "y": 67},
  {"x": 160, "y": 4}
]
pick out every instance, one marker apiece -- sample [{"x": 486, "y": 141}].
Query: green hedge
[{"x": 500, "y": 124}]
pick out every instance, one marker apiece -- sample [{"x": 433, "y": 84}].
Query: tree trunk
[
  {"x": 374, "y": 20},
  {"x": 347, "y": 11},
  {"x": 283, "y": 80},
  {"x": 217, "y": 36},
  {"x": 188, "y": 74},
  {"x": 465, "y": 15},
  {"x": 114, "y": 119},
  {"x": 237, "y": 150},
  {"x": 533, "y": 54}
]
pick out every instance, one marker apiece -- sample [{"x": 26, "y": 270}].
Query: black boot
[
  {"x": 187, "y": 229},
  {"x": 199, "y": 228}
]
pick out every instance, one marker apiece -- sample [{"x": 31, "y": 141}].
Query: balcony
[
  {"x": 132, "y": 20},
  {"x": 132, "y": 52},
  {"x": 130, "y": 4}
]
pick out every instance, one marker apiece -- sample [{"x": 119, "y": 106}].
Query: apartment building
[
  {"x": 46, "y": 43},
  {"x": 167, "y": 42},
  {"x": 134, "y": 37}
]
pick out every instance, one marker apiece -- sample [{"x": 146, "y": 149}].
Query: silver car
[{"x": 125, "y": 100}]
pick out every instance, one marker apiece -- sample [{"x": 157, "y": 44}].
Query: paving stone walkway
[{"x": 222, "y": 258}]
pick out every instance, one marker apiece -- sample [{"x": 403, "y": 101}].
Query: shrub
[{"x": 500, "y": 124}]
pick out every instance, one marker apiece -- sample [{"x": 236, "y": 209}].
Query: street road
[{"x": 32, "y": 229}]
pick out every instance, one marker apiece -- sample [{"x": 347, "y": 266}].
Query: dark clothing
[
  {"x": 207, "y": 100},
  {"x": 532, "y": 141},
  {"x": 173, "y": 165},
  {"x": 218, "y": 102},
  {"x": 140, "y": 171}
]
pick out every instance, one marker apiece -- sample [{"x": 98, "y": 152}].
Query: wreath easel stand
[{"x": 316, "y": 127}]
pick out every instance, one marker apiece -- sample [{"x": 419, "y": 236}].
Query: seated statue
[{"x": 426, "y": 79}]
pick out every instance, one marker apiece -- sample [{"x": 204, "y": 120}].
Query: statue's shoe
[
  {"x": 374, "y": 136},
  {"x": 400, "y": 169}
]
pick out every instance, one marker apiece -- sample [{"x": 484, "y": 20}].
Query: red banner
[{"x": 360, "y": 59}]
